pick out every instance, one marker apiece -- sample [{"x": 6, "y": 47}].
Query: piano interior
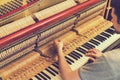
[{"x": 29, "y": 27}]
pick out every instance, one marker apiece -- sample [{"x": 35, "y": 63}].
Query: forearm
[
  {"x": 64, "y": 67},
  {"x": 66, "y": 71}
]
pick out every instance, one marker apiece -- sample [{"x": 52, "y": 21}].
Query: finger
[
  {"x": 95, "y": 51},
  {"x": 91, "y": 50},
  {"x": 55, "y": 41},
  {"x": 91, "y": 59},
  {"x": 59, "y": 40},
  {"x": 91, "y": 55}
]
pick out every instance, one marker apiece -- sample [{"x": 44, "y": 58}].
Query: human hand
[
  {"x": 58, "y": 45},
  {"x": 93, "y": 54}
]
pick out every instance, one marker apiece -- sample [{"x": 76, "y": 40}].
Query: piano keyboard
[
  {"x": 76, "y": 58},
  {"x": 27, "y": 63}
]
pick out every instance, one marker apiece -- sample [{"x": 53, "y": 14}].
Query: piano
[{"x": 26, "y": 44}]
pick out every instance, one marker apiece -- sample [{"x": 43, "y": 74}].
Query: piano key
[
  {"x": 57, "y": 75},
  {"x": 110, "y": 31},
  {"x": 112, "y": 28},
  {"x": 47, "y": 69},
  {"x": 69, "y": 59},
  {"x": 49, "y": 74},
  {"x": 56, "y": 69},
  {"x": 45, "y": 75},
  {"x": 73, "y": 56},
  {"x": 103, "y": 37},
  {"x": 56, "y": 65},
  {"x": 100, "y": 38},
  {"x": 78, "y": 62},
  {"x": 105, "y": 34},
  {"x": 86, "y": 46},
  {"x": 53, "y": 70},
  {"x": 77, "y": 56},
  {"x": 74, "y": 66},
  {"x": 34, "y": 78},
  {"x": 78, "y": 53},
  {"x": 94, "y": 42},
  {"x": 72, "y": 62},
  {"x": 91, "y": 45},
  {"x": 81, "y": 50},
  {"x": 75, "y": 61},
  {"x": 38, "y": 77}
]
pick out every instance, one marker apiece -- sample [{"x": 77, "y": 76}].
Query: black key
[
  {"x": 30, "y": 79},
  {"x": 78, "y": 54},
  {"x": 94, "y": 42},
  {"x": 69, "y": 59},
  {"x": 73, "y": 56},
  {"x": 90, "y": 45},
  {"x": 73, "y": 53},
  {"x": 110, "y": 31},
  {"x": 105, "y": 34},
  {"x": 45, "y": 75},
  {"x": 53, "y": 70},
  {"x": 81, "y": 50},
  {"x": 38, "y": 77},
  {"x": 100, "y": 38},
  {"x": 104, "y": 38},
  {"x": 50, "y": 71},
  {"x": 56, "y": 65},
  {"x": 42, "y": 76},
  {"x": 86, "y": 46}
]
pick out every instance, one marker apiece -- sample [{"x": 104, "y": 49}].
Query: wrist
[
  {"x": 60, "y": 54},
  {"x": 60, "y": 51}
]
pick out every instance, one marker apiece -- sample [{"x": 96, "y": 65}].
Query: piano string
[{"x": 18, "y": 60}]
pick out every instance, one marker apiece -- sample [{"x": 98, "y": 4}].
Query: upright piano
[{"x": 29, "y": 27}]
